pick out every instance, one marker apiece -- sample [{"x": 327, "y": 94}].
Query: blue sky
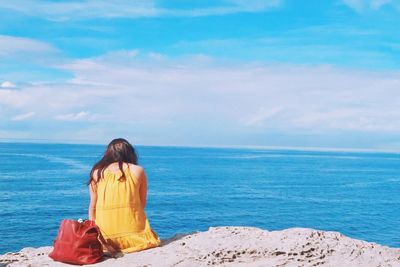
[{"x": 231, "y": 72}]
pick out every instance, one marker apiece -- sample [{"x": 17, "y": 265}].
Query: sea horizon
[{"x": 233, "y": 146}]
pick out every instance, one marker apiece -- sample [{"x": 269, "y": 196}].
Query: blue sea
[{"x": 191, "y": 189}]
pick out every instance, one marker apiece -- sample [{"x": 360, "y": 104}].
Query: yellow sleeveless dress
[{"x": 120, "y": 214}]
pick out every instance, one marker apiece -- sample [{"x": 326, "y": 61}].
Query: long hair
[{"x": 119, "y": 150}]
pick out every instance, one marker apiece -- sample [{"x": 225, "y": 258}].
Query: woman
[{"x": 118, "y": 189}]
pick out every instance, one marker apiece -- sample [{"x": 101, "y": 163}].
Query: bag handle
[
  {"x": 100, "y": 237},
  {"x": 109, "y": 247}
]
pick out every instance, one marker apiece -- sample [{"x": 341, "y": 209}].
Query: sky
[{"x": 285, "y": 73}]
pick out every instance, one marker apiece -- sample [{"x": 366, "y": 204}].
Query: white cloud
[
  {"x": 363, "y": 5},
  {"x": 15, "y": 98},
  {"x": 146, "y": 96},
  {"x": 254, "y": 4},
  {"x": 306, "y": 98},
  {"x": 23, "y": 116},
  {"x": 357, "y": 5},
  {"x": 82, "y": 9},
  {"x": 125, "y": 8},
  {"x": 7, "y": 84},
  {"x": 157, "y": 56},
  {"x": 28, "y": 54},
  {"x": 235, "y": 6},
  {"x": 73, "y": 116},
  {"x": 11, "y": 46},
  {"x": 376, "y": 4},
  {"x": 261, "y": 116},
  {"x": 297, "y": 48}
]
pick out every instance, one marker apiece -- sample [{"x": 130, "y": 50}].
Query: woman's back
[{"x": 120, "y": 211}]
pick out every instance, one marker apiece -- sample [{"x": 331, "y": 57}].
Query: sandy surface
[{"x": 240, "y": 246}]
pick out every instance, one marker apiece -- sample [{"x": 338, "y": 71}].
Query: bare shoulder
[
  {"x": 94, "y": 176},
  {"x": 137, "y": 170}
]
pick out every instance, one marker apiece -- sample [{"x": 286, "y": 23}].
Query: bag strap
[{"x": 109, "y": 247}]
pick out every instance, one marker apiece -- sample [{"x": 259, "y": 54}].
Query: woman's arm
[
  {"x": 143, "y": 187},
  {"x": 93, "y": 199}
]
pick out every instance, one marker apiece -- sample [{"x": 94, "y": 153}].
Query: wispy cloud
[
  {"x": 131, "y": 9},
  {"x": 311, "y": 45},
  {"x": 7, "y": 84},
  {"x": 15, "y": 98},
  {"x": 261, "y": 117},
  {"x": 83, "y": 115},
  {"x": 11, "y": 46},
  {"x": 364, "y": 5},
  {"x": 82, "y": 9},
  {"x": 308, "y": 98},
  {"x": 133, "y": 93},
  {"x": 23, "y": 59},
  {"x": 24, "y": 116}
]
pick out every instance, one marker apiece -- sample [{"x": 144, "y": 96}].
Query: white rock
[{"x": 240, "y": 246}]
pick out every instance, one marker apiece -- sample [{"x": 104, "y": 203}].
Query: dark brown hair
[{"x": 119, "y": 150}]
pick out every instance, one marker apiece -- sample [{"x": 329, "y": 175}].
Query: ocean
[{"x": 191, "y": 189}]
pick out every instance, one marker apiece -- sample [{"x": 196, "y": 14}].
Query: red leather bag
[{"x": 77, "y": 243}]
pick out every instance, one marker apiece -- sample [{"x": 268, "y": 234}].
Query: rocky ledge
[{"x": 240, "y": 246}]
